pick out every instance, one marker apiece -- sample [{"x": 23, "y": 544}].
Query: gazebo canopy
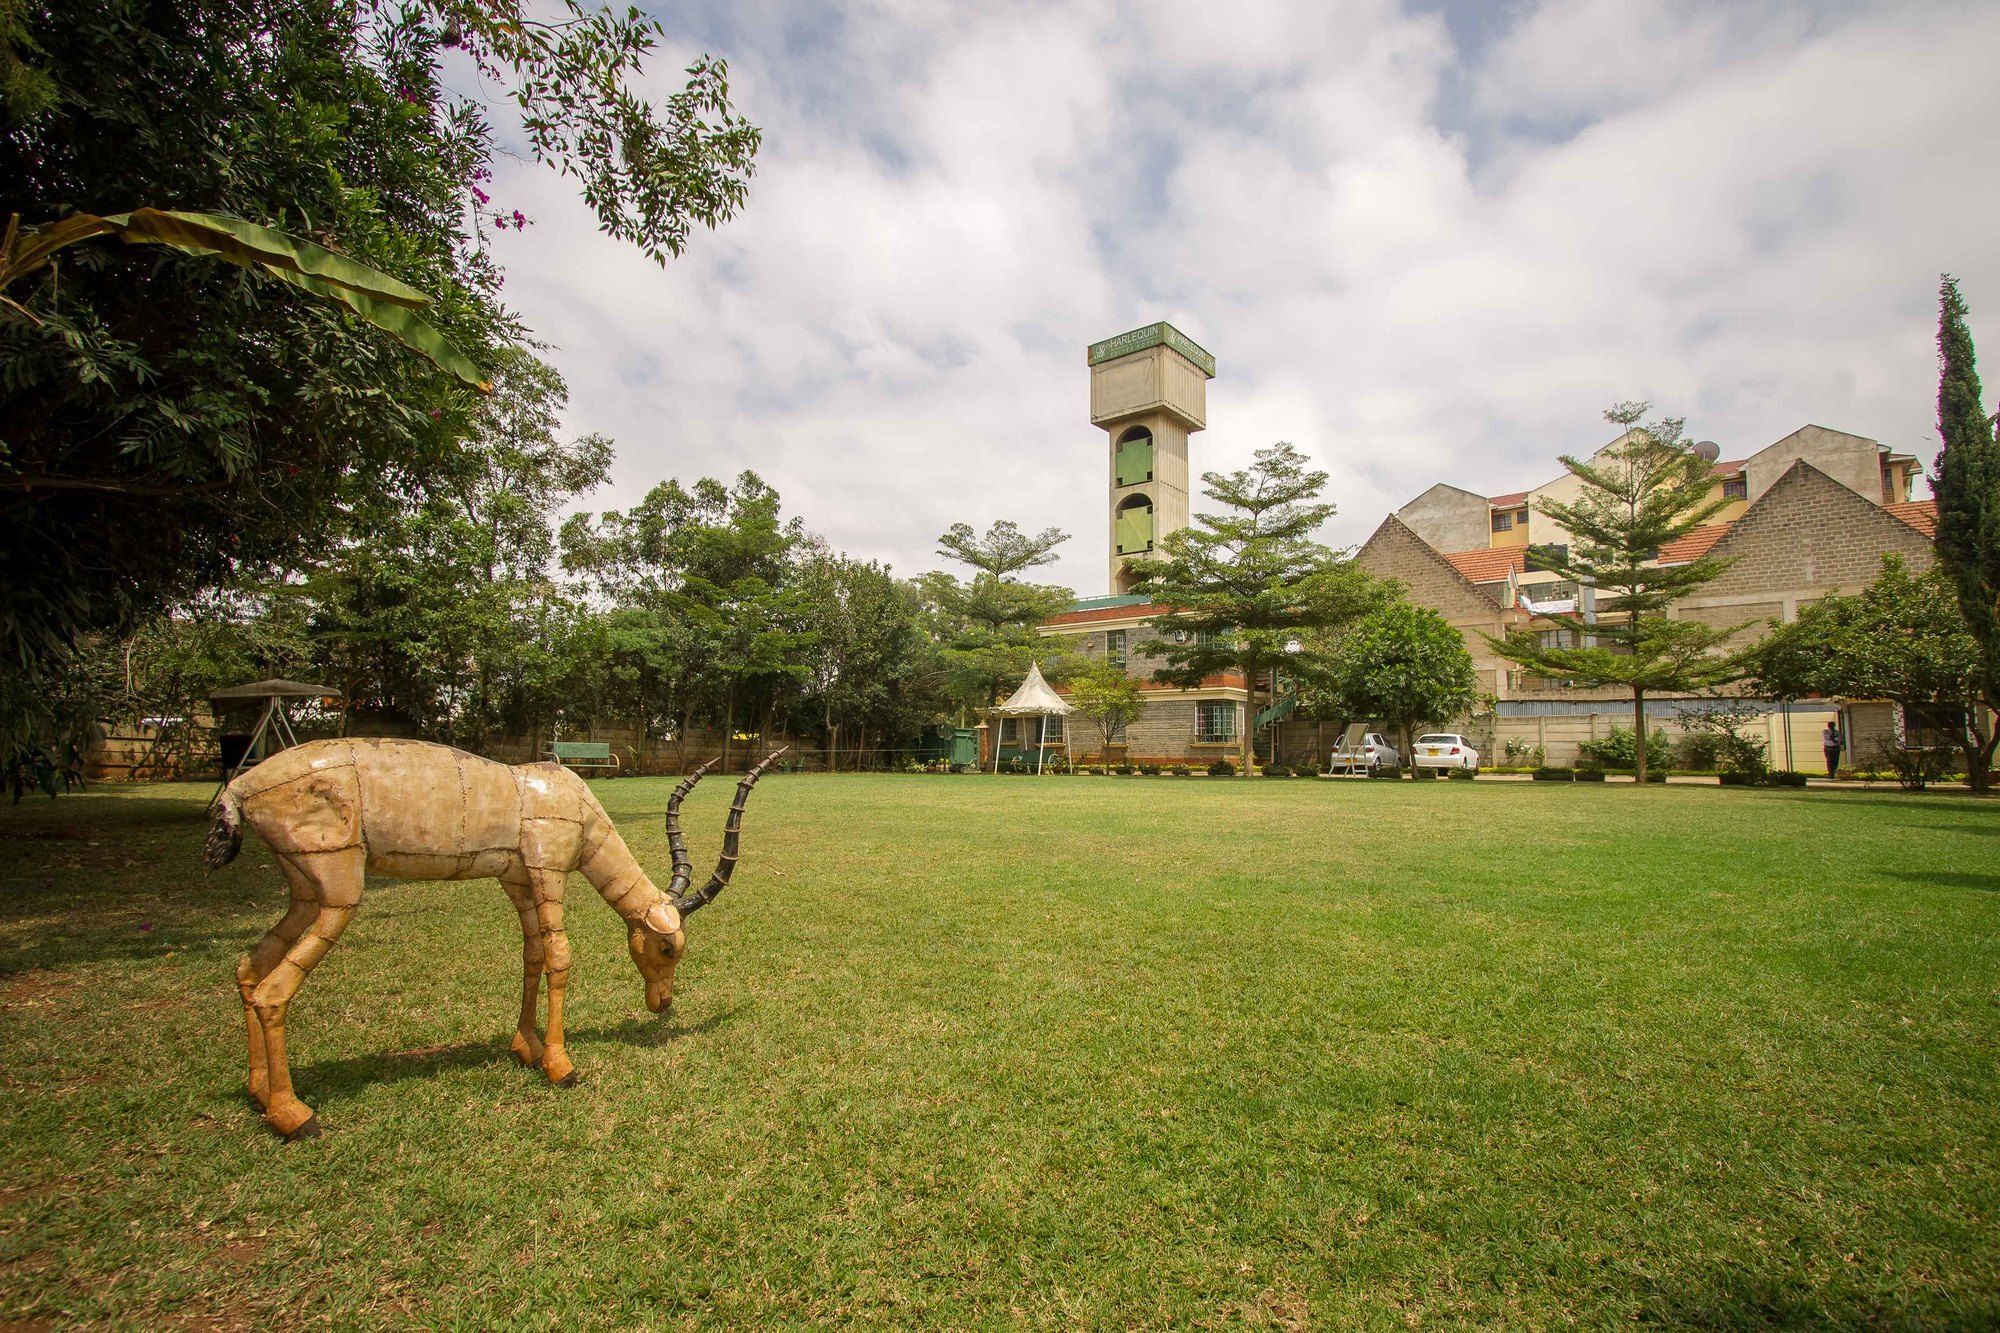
[
  {"x": 259, "y": 690},
  {"x": 1034, "y": 698}
]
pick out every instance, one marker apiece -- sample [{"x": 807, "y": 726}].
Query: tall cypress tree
[
  {"x": 1641, "y": 493},
  {"x": 1968, "y": 498}
]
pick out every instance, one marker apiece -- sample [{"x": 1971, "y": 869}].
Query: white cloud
[{"x": 1739, "y": 217}]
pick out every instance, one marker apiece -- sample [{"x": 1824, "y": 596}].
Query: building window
[
  {"x": 1214, "y": 722},
  {"x": 1055, "y": 731},
  {"x": 1503, "y": 521},
  {"x": 1208, "y": 640},
  {"x": 1544, "y": 559},
  {"x": 1133, "y": 526},
  {"x": 1117, "y": 734},
  {"x": 1114, "y": 647},
  {"x": 1736, "y": 487},
  {"x": 1132, "y": 463},
  {"x": 1555, "y": 638}
]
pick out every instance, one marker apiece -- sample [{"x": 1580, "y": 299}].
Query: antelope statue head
[{"x": 659, "y": 938}]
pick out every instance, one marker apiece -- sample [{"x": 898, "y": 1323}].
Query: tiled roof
[
  {"x": 1694, "y": 545},
  {"x": 1512, "y": 500},
  {"x": 1919, "y": 514},
  {"x": 1489, "y": 566},
  {"x": 1106, "y": 613},
  {"x": 1730, "y": 467}
]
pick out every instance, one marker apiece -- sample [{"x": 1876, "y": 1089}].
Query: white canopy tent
[{"x": 1033, "y": 699}]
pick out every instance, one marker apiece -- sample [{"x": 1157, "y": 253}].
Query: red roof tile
[
  {"x": 1695, "y": 545},
  {"x": 1489, "y": 566},
  {"x": 1919, "y": 514},
  {"x": 1512, "y": 500},
  {"x": 1106, "y": 613}
]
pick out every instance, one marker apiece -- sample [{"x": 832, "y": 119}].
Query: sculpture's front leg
[
  {"x": 548, "y": 890},
  {"x": 527, "y": 1043}
]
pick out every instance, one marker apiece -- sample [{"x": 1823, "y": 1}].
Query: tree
[
  {"x": 707, "y": 568},
  {"x": 171, "y": 423},
  {"x": 1639, "y": 494},
  {"x": 1400, "y": 662},
  {"x": 987, "y": 626},
  {"x": 1243, "y": 584},
  {"x": 1902, "y": 638},
  {"x": 1968, "y": 499},
  {"x": 1004, "y": 551},
  {"x": 866, "y": 655},
  {"x": 1109, "y": 698}
]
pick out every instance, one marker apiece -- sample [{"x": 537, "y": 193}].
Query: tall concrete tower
[{"x": 1149, "y": 391}]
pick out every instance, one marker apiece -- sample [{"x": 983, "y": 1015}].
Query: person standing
[{"x": 1830, "y": 741}]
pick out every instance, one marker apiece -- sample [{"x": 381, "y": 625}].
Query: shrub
[
  {"x": 1124, "y": 770},
  {"x": 1180, "y": 770},
  {"x": 1698, "y": 750},
  {"x": 1620, "y": 750},
  {"x": 1590, "y": 775},
  {"x": 1150, "y": 770},
  {"x": 1387, "y": 772},
  {"x": 1785, "y": 777},
  {"x": 1274, "y": 771},
  {"x": 1222, "y": 768},
  {"x": 1915, "y": 766},
  {"x": 1555, "y": 775},
  {"x": 1459, "y": 774},
  {"x": 1734, "y": 779},
  {"x": 1306, "y": 771},
  {"x": 1719, "y": 738}
]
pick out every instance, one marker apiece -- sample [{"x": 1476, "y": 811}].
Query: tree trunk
[
  {"x": 728, "y": 726},
  {"x": 1639, "y": 730},
  {"x": 1409, "y": 750},
  {"x": 1982, "y": 740},
  {"x": 1249, "y": 746}
]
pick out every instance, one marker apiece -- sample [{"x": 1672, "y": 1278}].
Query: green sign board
[{"x": 1162, "y": 334}]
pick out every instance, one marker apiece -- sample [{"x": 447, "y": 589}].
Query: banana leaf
[{"x": 399, "y": 322}]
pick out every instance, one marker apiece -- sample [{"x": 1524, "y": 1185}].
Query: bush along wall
[{"x": 1556, "y": 775}]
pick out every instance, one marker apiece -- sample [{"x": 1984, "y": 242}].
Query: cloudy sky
[{"x": 1424, "y": 242}]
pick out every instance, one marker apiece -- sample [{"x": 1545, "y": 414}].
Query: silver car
[{"x": 1371, "y": 752}]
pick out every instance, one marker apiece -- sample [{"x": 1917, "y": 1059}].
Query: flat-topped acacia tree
[{"x": 1641, "y": 493}]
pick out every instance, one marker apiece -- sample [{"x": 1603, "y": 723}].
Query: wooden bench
[{"x": 584, "y": 754}]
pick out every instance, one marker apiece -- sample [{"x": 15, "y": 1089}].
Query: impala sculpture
[{"x": 333, "y": 810}]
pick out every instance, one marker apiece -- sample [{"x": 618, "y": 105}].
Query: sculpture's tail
[{"x": 225, "y": 832}]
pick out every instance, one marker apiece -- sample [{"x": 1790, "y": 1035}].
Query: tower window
[
  {"x": 1114, "y": 647},
  {"x": 1133, "y": 462},
  {"x": 1736, "y": 487},
  {"x": 1132, "y": 526}
]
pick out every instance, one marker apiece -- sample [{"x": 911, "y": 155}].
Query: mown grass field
[{"x": 982, "y": 1051}]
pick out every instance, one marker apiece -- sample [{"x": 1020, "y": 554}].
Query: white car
[{"x": 1443, "y": 749}]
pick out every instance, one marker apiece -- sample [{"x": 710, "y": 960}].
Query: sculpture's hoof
[
  {"x": 309, "y": 1130},
  {"x": 569, "y": 1080}
]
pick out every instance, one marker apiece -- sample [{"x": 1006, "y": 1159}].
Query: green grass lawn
[{"x": 1066, "y": 1052}]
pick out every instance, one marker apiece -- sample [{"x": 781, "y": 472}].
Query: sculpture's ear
[{"x": 662, "y": 919}]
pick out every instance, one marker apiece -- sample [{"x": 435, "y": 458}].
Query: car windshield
[{"x": 1437, "y": 740}]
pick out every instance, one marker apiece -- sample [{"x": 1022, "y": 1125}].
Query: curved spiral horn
[
  {"x": 725, "y": 865},
  {"x": 676, "y": 844}
]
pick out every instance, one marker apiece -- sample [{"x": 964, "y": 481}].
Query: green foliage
[
  {"x": 173, "y": 425},
  {"x": 1245, "y": 582},
  {"x": 1221, "y": 768},
  {"x": 1106, "y": 697},
  {"x": 1639, "y": 494},
  {"x": 1555, "y": 775},
  {"x": 1903, "y": 638},
  {"x": 1968, "y": 498},
  {"x": 1617, "y": 749},
  {"x": 1397, "y": 661},
  {"x": 986, "y": 625}
]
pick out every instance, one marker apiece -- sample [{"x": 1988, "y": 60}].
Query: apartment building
[{"x": 1808, "y": 515}]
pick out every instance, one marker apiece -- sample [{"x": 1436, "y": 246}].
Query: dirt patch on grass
[{"x": 39, "y": 987}]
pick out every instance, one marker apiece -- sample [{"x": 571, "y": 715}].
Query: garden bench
[{"x": 584, "y": 754}]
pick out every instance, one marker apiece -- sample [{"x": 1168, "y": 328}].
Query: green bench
[{"x": 584, "y": 754}]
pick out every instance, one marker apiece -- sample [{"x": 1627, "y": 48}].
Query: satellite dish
[{"x": 1708, "y": 451}]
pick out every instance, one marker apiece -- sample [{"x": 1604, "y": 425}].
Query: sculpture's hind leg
[
  {"x": 254, "y": 966},
  {"x": 527, "y": 1043},
  {"x": 336, "y": 880},
  {"x": 548, "y": 899}
]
